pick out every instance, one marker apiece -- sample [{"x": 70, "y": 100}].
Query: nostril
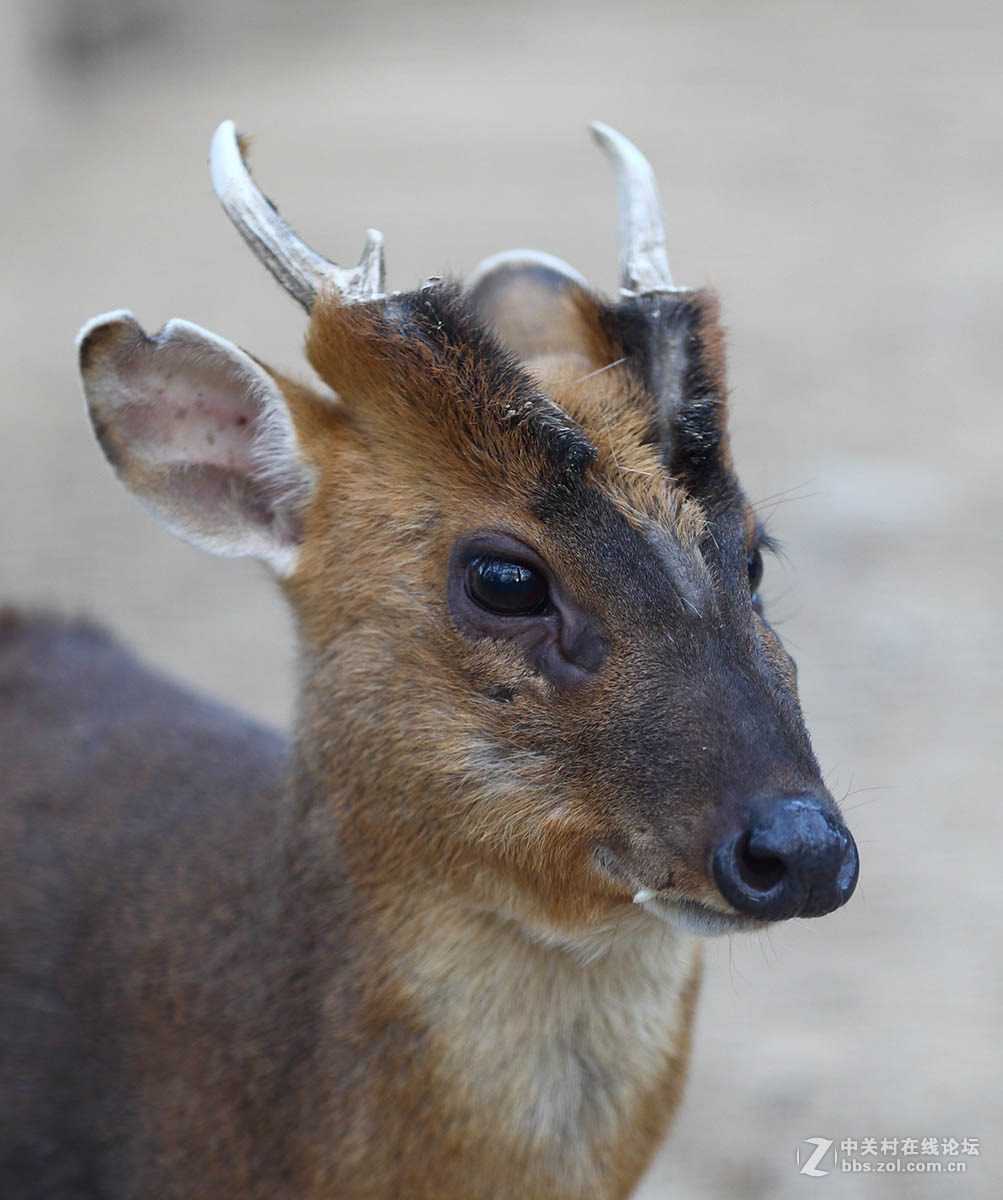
[
  {"x": 754, "y": 879},
  {"x": 761, "y": 872}
]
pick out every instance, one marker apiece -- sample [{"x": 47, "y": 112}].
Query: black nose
[{"x": 793, "y": 858}]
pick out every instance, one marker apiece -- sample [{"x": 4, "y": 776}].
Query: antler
[
  {"x": 644, "y": 264},
  {"x": 300, "y": 270}
]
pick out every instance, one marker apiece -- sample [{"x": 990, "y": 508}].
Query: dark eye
[
  {"x": 755, "y": 565},
  {"x": 504, "y": 587}
]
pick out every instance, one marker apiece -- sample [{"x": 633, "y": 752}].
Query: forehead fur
[
  {"x": 422, "y": 368},
  {"x": 611, "y": 404}
]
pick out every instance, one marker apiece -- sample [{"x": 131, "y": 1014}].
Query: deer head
[{"x": 536, "y": 670}]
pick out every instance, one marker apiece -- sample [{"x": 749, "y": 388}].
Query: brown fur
[{"x": 386, "y": 961}]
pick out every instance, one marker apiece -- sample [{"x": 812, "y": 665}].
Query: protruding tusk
[
  {"x": 644, "y": 264},
  {"x": 300, "y": 270},
  {"x": 644, "y": 895}
]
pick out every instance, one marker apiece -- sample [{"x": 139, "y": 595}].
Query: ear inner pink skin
[
  {"x": 184, "y": 418},
  {"x": 200, "y": 433}
]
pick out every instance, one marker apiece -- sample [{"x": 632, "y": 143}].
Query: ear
[
  {"x": 200, "y": 434},
  {"x": 537, "y": 304}
]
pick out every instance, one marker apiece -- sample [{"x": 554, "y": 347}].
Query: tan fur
[
  {"x": 533, "y": 1005},
  {"x": 556, "y": 1012},
  {"x": 405, "y": 960}
]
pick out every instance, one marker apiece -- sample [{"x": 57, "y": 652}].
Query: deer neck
[
  {"x": 552, "y": 1052},
  {"x": 564, "y": 1040}
]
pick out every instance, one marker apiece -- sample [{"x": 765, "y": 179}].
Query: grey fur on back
[{"x": 116, "y": 785}]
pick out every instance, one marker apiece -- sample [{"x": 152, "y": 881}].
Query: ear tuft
[{"x": 200, "y": 433}]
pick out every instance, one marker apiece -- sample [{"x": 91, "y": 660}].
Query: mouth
[{"x": 692, "y": 916}]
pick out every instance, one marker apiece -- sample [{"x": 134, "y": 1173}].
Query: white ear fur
[{"x": 199, "y": 433}]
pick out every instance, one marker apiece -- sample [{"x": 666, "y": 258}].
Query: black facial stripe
[{"x": 664, "y": 336}]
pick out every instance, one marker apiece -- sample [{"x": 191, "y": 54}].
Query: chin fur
[{"x": 694, "y": 917}]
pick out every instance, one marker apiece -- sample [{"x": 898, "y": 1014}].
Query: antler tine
[
  {"x": 300, "y": 270},
  {"x": 644, "y": 264}
]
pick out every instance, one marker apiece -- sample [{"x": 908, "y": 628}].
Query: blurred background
[{"x": 835, "y": 170}]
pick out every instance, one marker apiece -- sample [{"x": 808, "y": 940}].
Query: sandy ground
[{"x": 835, "y": 170}]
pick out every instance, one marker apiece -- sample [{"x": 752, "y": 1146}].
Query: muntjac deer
[{"x": 445, "y": 941}]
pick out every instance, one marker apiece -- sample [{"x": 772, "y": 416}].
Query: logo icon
[{"x": 810, "y": 1166}]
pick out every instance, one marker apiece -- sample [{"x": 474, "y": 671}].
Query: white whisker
[{"x": 600, "y": 370}]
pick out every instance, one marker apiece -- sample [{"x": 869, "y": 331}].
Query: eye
[
  {"x": 755, "y": 565},
  {"x": 508, "y": 588}
]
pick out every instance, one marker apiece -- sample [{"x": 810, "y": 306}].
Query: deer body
[
  {"x": 444, "y": 943},
  {"x": 224, "y": 1006}
]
